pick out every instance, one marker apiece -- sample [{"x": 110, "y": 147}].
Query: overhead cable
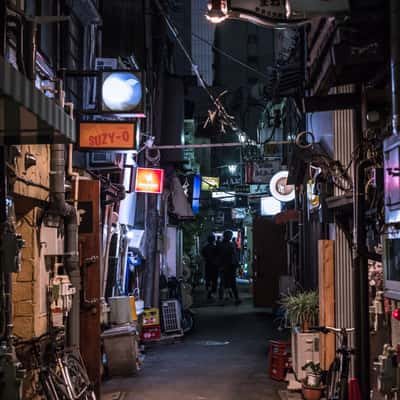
[
  {"x": 225, "y": 118},
  {"x": 231, "y": 57}
]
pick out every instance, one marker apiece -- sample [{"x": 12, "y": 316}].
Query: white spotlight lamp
[
  {"x": 232, "y": 169},
  {"x": 217, "y": 11}
]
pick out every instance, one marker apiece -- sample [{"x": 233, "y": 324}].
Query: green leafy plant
[
  {"x": 315, "y": 368},
  {"x": 301, "y": 308}
]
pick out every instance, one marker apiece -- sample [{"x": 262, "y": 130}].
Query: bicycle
[
  {"x": 62, "y": 374},
  {"x": 338, "y": 373},
  {"x": 48, "y": 384}
]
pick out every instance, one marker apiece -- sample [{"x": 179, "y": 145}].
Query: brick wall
[{"x": 30, "y": 284}]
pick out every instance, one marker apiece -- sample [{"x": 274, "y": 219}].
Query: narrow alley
[
  {"x": 199, "y": 199},
  {"x": 225, "y": 357}
]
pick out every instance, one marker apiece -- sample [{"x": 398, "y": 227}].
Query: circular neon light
[
  {"x": 279, "y": 187},
  {"x": 121, "y": 91}
]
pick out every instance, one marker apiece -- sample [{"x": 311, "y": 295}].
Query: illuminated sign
[
  {"x": 223, "y": 196},
  {"x": 209, "y": 183},
  {"x": 122, "y": 92},
  {"x": 106, "y": 135},
  {"x": 238, "y": 213},
  {"x": 270, "y": 206},
  {"x": 279, "y": 187},
  {"x": 149, "y": 180},
  {"x": 196, "y": 194}
]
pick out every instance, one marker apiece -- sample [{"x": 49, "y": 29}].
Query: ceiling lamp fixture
[
  {"x": 275, "y": 13},
  {"x": 217, "y": 11}
]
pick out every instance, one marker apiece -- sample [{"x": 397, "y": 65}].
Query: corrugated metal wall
[{"x": 343, "y": 127}]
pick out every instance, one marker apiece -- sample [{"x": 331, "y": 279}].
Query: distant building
[{"x": 202, "y": 32}]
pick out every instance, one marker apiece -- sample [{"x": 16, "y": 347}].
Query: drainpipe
[
  {"x": 360, "y": 274},
  {"x": 60, "y": 207},
  {"x": 395, "y": 64}
]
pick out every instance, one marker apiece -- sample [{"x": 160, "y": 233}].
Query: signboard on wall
[
  {"x": 209, "y": 183},
  {"x": 261, "y": 171},
  {"x": 106, "y": 135},
  {"x": 122, "y": 92},
  {"x": 149, "y": 180}
]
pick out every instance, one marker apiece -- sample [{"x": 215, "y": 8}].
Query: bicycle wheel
[
  {"x": 89, "y": 395},
  {"x": 76, "y": 374},
  {"x": 333, "y": 380},
  {"x": 54, "y": 386}
]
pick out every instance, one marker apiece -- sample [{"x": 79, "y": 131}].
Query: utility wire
[
  {"x": 226, "y": 119},
  {"x": 231, "y": 57}
]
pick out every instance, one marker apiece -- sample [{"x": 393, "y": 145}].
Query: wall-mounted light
[
  {"x": 232, "y": 169},
  {"x": 396, "y": 314},
  {"x": 122, "y": 92},
  {"x": 280, "y": 189},
  {"x": 217, "y": 11}
]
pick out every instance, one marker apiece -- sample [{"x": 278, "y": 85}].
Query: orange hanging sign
[
  {"x": 149, "y": 180},
  {"x": 107, "y": 135}
]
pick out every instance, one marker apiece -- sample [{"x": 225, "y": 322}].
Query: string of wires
[{"x": 224, "y": 117}]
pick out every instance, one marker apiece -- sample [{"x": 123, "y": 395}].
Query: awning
[{"x": 27, "y": 116}]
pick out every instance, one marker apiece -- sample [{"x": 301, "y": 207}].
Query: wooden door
[
  {"x": 269, "y": 253},
  {"x": 89, "y": 253}
]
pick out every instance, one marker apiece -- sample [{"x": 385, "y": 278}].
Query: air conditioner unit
[
  {"x": 102, "y": 64},
  {"x": 101, "y": 159},
  {"x": 171, "y": 316},
  {"x": 305, "y": 348}
]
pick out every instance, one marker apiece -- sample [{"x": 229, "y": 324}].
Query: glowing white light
[
  {"x": 288, "y": 9},
  {"x": 232, "y": 169},
  {"x": 223, "y": 196},
  {"x": 270, "y": 206},
  {"x": 121, "y": 91},
  {"x": 216, "y": 19},
  {"x": 242, "y": 137},
  {"x": 280, "y": 189}
]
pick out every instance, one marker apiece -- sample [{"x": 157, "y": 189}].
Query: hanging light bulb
[{"x": 217, "y": 11}]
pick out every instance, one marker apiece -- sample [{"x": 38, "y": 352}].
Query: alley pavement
[{"x": 224, "y": 358}]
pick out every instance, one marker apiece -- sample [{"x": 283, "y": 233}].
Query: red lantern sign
[{"x": 149, "y": 180}]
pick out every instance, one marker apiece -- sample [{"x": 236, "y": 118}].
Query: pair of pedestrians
[{"x": 221, "y": 261}]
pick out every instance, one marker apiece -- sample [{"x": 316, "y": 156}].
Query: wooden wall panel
[
  {"x": 326, "y": 300},
  {"x": 89, "y": 246}
]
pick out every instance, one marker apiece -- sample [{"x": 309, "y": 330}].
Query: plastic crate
[
  {"x": 151, "y": 317},
  {"x": 151, "y": 333},
  {"x": 279, "y": 359}
]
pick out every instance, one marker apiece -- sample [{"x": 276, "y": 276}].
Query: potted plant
[
  {"x": 301, "y": 308},
  {"x": 311, "y": 392},
  {"x": 312, "y": 386},
  {"x": 314, "y": 373}
]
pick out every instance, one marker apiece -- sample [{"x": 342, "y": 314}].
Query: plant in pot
[
  {"x": 301, "y": 308},
  {"x": 312, "y": 386}
]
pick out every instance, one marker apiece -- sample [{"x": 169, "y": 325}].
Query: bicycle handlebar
[
  {"x": 327, "y": 329},
  {"x": 38, "y": 339}
]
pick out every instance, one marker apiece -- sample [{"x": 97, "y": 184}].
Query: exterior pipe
[
  {"x": 395, "y": 64},
  {"x": 360, "y": 274},
  {"x": 60, "y": 207}
]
